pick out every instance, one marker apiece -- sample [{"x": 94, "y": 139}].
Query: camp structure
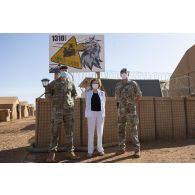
[
  {"x": 11, "y": 103},
  {"x": 4, "y": 115},
  {"x": 31, "y": 110},
  {"x": 148, "y": 87},
  {"x": 182, "y": 81},
  {"x": 24, "y": 109}
]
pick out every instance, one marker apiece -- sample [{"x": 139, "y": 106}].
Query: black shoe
[
  {"x": 89, "y": 155},
  {"x": 100, "y": 153}
]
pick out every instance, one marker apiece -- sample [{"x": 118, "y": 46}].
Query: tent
[
  {"x": 182, "y": 81},
  {"x": 31, "y": 110},
  {"x": 24, "y": 109},
  {"x": 148, "y": 87},
  {"x": 4, "y": 115},
  {"x": 11, "y": 103}
]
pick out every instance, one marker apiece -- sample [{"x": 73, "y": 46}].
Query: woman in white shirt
[{"x": 95, "y": 114}]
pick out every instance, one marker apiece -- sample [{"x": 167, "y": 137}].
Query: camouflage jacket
[
  {"x": 127, "y": 93},
  {"x": 62, "y": 93}
]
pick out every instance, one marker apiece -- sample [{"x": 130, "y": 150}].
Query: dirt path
[
  {"x": 155, "y": 152},
  {"x": 16, "y": 136}
]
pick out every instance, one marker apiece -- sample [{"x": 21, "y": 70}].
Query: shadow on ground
[
  {"x": 29, "y": 127},
  {"x": 22, "y": 155},
  {"x": 16, "y": 155},
  {"x": 110, "y": 156},
  {"x": 31, "y": 140},
  {"x": 166, "y": 144}
]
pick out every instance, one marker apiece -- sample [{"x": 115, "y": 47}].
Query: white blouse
[{"x": 88, "y": 102}]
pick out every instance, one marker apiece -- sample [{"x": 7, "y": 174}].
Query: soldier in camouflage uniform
[
  {"x": 127, "y": 92},
  {"x": 62, "y": 93}
]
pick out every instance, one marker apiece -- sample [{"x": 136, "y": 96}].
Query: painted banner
[{"x": 81, "y": 53}]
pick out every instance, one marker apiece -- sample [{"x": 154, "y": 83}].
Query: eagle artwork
[{"x": 91, "y": 54}]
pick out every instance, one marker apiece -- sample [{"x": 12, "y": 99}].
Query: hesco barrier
[
  {"x": 190, "y": 117},
  {"x": 179, "y": 118},
  {"x": 147, "y": 119},
  {"x": 160, "y": 118},
  {"x": 163, "y": 118}
]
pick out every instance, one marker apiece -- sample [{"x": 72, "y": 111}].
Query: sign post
[{"x": 98, "y": 75}]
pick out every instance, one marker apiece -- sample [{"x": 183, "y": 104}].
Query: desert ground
[{"x": 17, "y": 136}]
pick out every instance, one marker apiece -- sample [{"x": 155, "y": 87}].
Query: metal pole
[
  {"x": 98, "y": 75},
  {"x": 55, "y": 76}
]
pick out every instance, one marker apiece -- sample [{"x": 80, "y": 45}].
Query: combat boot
[
  {"x": 51, "y": 157},
  {"x": 72, "y": 156},
  {"x": 137, "y": 154},
  {"x": 120, "y": 151}
]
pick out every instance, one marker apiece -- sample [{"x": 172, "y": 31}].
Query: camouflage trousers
[
  {"x": 59, "y": 117},
  {"x": 128, "y": 122}
]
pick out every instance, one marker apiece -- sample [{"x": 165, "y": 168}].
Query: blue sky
[{"x": 24, "y": 58}]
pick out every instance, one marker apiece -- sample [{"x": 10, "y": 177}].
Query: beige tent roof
[
  {"x": 24, "y": 103},
  {"x": 187, "y": 63},
  {"x": 86, "y": 82},
  {"x": 9, "y": 100}
]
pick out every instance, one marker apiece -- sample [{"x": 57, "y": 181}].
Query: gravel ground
[{"x": 17, "y": 135}]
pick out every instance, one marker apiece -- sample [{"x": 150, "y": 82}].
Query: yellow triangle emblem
[{"x": 68, "y": 54}]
